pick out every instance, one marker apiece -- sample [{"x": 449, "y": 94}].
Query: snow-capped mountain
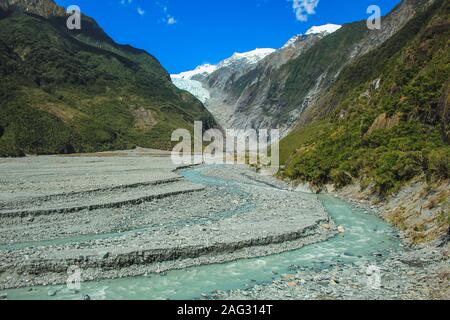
[
  {"x": 292, "y": 41},
  {"x": 209, "y": 74},
  {"x": 318, "y": 30},
  {"x": 234, "y": 67},
  {"x": 204, "y": 70},
  {"x": 326, "y": 28},
  {"x": 214, "y": 82},
  {"x": 248, "y": 58},
  {"x": 200, "y": 72}
]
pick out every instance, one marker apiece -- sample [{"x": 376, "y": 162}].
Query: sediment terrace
[{"x": 129, "y": 214}]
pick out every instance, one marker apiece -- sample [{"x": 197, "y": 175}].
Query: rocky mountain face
[
  {"x": 65, "y": 91},
  {"x": 223, "y": 81},
  {"x": 380, "y": 129},
  {"x": 278, "y": 90},
  {"x": 44, "y": 8},
  {"x": 234, "y": 67},
  {"x": 299, "y": 83},
  {"x": 209, "y": 83},
  {"x": 241, "y": 87},
  {"x": 253, "y": 98},
  {"x": 241, "y": 103}
]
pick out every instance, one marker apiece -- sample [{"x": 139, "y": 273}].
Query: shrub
[
  {"x": 439, "y": 163},
  {"x": 341, "y": 178}
]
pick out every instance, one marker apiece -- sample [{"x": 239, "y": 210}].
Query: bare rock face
[
  {"x": 278, "y": 90},
  {"x": 44, "y": 8},
  {"x": 234, "y": 67},
  {"x": 240, "y": 86},
  {"x": 384, "y": 122},
  {"x": 257, "y": 95}
]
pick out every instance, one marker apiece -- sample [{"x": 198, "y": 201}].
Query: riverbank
[
  {"x": 420, "y": 209},
  {"x": 419, "y": 271},
  {"x": 409, "y": 274}
]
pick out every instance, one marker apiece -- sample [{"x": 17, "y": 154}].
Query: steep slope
[
  {"x": 326, "y": 28},
  {"x": 232, "y": 68},
  {"x": 209, "y": 83},
  {"x": 244, "y": 88},
  {"x": 276, "y": 92},
  {"x": 253, "y": 97},
  {"x": 198, "y": 74},
  {"x": 384, "y": 124},
  {"x": 78, "y": 91}
]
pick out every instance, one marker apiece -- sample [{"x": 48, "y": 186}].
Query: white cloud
[
  {"x": 140, "y": 11},
  {"x": 304, "y": 8},
  {"x": 168, "y": 18},
  {"x": 171, "y": 20}
]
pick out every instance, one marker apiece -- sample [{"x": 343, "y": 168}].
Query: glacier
[{"x": 192, "y": 86}]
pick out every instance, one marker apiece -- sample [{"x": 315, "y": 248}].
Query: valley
[{"x": 359, "y": 207}]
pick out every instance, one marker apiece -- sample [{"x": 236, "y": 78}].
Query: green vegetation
[
  {"x": 64, "y": 92},
  {"x": 328, "y": 56},
  {"x": 387, "y": 114}
]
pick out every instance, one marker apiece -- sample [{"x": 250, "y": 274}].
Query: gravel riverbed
[
  {"x": 121, "y": 215},
  {"x": 126, "y": 216}
]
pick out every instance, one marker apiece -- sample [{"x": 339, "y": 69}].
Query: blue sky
[{"x": 185, "y": 33}]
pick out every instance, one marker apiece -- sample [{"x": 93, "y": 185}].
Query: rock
[
  {"x": 86, "y": 297},
  {"x": 377, "y": 254},
  {"x": 326, "y": 226},
  {"x": 288, "y": 277},
  {"x": 51, "y": 293},
  {"x": 106, "y": 255},
  {"x": 341, "y": 229},
  {"x": 3, "y": 296}
]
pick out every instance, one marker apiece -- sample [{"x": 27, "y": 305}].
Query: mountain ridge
[
  {"x": 382, "y": 129},
  {"x": 278, "y": 91},
  {"x": 78, "y": 91}
]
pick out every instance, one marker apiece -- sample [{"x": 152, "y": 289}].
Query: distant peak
[
  {"x": 250, "y": 57},
  {"x": 316, "y": 30},
  {"x": 257, "y": 52},
  {"x": 204, "y": 69},
  {"x": 326, "y": 28},
  {"x": 292, "y": 41}
]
